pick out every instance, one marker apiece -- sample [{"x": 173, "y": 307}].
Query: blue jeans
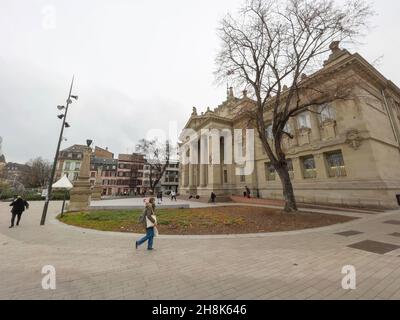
[{"x": 148, "y": 237}]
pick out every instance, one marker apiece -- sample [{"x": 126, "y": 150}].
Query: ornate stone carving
[
  {"x": 194, "y": 113},
  {"x": 328, "y": 129},
  {"x": 353, "y": 139},
  {"x": 304, "y": 136}
]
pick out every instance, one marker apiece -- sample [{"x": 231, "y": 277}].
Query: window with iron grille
[
  {"x": 309, "y": 168},
  {"x": 336, "y": 166},
  {"x": 270, "y": 173}
]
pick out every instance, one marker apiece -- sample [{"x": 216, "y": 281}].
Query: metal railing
[
  {"x": 337, "y": 172},
  {"x": 310, "y": 173}
]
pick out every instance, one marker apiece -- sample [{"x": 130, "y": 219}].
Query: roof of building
[
  {"x": 17, "y": 166},
  {"x": 76, "y": 148},
  {"x": 339, "y": 58},
  {"x": 103, "y": 153}
]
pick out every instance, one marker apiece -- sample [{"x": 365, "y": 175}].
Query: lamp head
[
  {"x": 75, "y": 97},
  {"x": 67, "y": 125},
  {"x": 60, "y": 108},
  {"x": 61, "y": 116}
]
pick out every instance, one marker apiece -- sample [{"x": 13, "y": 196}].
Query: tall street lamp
[{"x": 65, "y": 124}]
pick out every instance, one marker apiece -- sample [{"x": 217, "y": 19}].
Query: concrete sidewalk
[{"x": 297, "y": 265}]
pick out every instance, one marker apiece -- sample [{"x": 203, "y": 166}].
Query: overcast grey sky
[{"x": 139, "y": 65}]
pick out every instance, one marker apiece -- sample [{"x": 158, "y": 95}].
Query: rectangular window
[
  {"x": 67, "y": 166},
  {"x": 288, "y": 128},
  {"x": 270, "y": 174},
  {"x": 77, "y": 166},
  {"x": 242, "y": 175},
  {"x": 304, "y": 121},
  {"x": 225, "y": 176},
  {"x": 290, "y": 168},
  {"x": 309, "y": 168},
  {"x": 269, "y": 133},
  {"x": 335, "y": 162},
  {"x": 326, "y": 113}
]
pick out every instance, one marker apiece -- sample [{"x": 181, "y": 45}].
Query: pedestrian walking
[
  {"x": 173, "y": 195},
  {"x": 159, "y": 197},
  {"x": 149, "y": 221},
  {"x": 19, "y": 205},
  {"x": 248, "y": 192}
]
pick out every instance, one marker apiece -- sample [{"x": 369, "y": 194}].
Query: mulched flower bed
[{"x": 206, "y": 221}]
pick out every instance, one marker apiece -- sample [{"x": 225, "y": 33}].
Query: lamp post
[{"x": 65, "y": 124}]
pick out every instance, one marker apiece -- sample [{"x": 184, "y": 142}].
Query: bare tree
[
  {"x": 157, "y": 157},
  {"x": 270, "y": 46},
  {"x": 37, "y": 173}
]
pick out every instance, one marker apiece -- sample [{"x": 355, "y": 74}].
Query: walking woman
[{"x": 149, "y": 220}]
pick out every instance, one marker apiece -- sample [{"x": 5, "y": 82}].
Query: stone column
[
  {"x": 81, "y": 192},
  {"x": 298, "y": 169},
  {"x": 320, "y": 165},
  {"x": 204, "y": 159},
  {"x": 215, "y": 167},
  {"x": 98, "y": 189},
  {"x": 191, "y": 175},
  {"x": 202, "y": 175},
  {"x": 183, "y": 176},
  {"x": 315, "y": 131}
]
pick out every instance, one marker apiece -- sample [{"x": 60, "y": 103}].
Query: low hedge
[{"x": 7, "y": 195}]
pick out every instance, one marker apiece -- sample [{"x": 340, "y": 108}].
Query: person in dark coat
[
  {"x": 18, "y": 207},
  {"x": 248, "y": 192},
  {"x": 213, "y": 197}
]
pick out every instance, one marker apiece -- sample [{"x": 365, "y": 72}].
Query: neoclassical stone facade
[{"x": 346, "y": 153}]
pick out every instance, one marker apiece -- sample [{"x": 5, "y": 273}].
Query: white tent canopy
[{"x": 63, "y": 183}]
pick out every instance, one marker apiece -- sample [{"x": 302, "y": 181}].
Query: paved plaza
[{"x": 296, "y": 265}]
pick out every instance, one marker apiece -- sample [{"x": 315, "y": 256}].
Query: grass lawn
[{"x": 205, "y": 221}]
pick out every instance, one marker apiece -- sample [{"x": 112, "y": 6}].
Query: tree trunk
[{"x": 288, "y": 193}]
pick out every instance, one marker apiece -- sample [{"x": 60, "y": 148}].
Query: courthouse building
[{"x": 346, "y": 152}]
